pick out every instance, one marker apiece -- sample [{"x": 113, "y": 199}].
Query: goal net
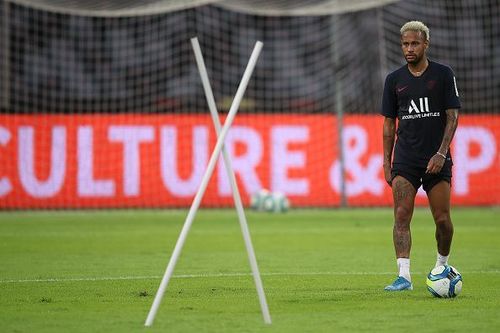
[{"x": 101, "y": 103}]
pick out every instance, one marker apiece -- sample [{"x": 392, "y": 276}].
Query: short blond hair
[{"x": 416, "y": 26}]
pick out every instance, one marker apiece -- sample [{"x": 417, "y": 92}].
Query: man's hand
[
  {"x": 437, "y": 161},
  {"x": 435, "y": 164},
  {"x": 387, "y": 173}
]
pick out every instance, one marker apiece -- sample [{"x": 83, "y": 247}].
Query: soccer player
[{"x": 423, "y": 96}]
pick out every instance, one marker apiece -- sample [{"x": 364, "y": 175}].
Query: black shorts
[{"x": 417, "y": 176}]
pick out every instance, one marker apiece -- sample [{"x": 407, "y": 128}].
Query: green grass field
[{"x": 323, "y": 271}]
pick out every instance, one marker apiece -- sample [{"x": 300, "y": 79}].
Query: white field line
[{"x": 215, "y": 275}]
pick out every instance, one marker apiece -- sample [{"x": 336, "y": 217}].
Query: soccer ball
[
  {"x": 444, "y": 281},
  {"x": 277, "y": 202},
  {"x": 258, "y": 198},
  {"x": 264, "y": 200}
]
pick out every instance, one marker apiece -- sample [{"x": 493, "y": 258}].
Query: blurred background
[
  {"x": 132, "y": 56},
  {"x": 320, "y": 58}
]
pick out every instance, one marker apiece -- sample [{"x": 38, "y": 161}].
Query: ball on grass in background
[
  {"x": 274, "y": 202},
  {"x": 257, "y": 199},
  {"x": 444, "y": 282}
]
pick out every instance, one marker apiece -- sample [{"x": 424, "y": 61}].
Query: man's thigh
[
  {"x": 403, "y": 192},
  {"x": 439, "y": 199}
]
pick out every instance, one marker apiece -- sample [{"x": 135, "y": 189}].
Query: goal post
[{"x": 101, "y": 105}]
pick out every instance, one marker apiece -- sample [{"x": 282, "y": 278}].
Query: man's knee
[
  {"x": 442, "y": 217},
  {"x": 402, "y": 215}
]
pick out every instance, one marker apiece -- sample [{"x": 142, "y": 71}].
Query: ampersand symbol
[{"x": 359, "y": 178}]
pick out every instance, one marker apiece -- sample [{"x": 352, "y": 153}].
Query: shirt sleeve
[
  {"x": 452, "y": 100},
  {"x": 389, "y": 99}
]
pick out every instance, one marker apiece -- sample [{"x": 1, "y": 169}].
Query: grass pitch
[{"x": 323, "y": 271}]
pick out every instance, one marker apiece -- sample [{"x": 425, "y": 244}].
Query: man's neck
[{"x": 418, "y": 69}]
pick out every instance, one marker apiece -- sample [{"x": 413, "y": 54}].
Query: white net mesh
[
  {"x": 300, "y": 7},
  {"x": 78, "y": 63},
  {"x": 464, "y": 34},
  {"x": 111, "y": 8},
  {"x": 114, "y": 8},
  {"x": 116, "y": 81}
]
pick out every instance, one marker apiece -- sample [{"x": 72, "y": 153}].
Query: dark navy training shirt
[{"x": 420, "y": 104}]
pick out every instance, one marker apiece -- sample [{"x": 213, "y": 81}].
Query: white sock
[
  {"x": 404, "y": 268},
  {"x": 441, "y": 260}
]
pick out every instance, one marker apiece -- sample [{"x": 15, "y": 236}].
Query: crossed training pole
[{"x": 219, "y": 146}]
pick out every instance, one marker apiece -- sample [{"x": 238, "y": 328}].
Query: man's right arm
[{"x": 389, "y": 135}]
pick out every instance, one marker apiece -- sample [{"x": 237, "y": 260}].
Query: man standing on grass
[{"x": 423, "y": 96}]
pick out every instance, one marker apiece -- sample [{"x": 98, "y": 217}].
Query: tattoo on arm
[{"x": 449, "y": 130}]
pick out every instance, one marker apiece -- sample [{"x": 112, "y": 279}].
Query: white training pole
[
  {"x": 204, "y": 182},
  {"x": 230, "y": 173}
]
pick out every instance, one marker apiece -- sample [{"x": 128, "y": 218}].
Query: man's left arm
[{"x": 437, "y": 161}]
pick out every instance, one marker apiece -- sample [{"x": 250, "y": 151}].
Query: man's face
[{"x": 414, "y": 45}]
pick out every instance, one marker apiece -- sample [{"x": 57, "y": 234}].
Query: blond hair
[{"x": 416, "y": 26}]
